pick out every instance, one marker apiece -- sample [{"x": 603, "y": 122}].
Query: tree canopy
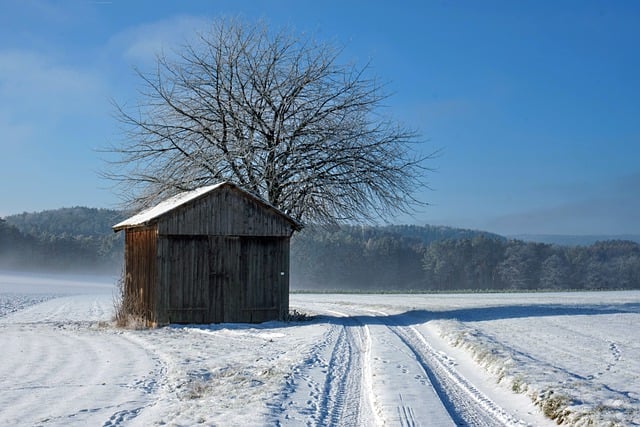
[{"x": 276, "y": 113}]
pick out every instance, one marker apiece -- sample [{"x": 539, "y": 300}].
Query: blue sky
[{"x": 534, "y": 105}]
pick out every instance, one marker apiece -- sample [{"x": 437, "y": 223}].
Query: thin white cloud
[
  {"x": 141, "y": 44},
  {"x": 33, "y": 84},
  {"x": 15, "y": 135},
  {"x": 614, "y": 213}
]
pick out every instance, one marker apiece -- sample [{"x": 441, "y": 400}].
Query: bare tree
[{"x": 274, "y": 113}]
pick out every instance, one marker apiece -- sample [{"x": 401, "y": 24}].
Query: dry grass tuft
[
  {"x": 297, "y": 316},
  {"x": 129, "y": 310}
]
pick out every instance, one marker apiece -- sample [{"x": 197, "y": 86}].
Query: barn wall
[
  {"x": 183, "y": 279},
  {"x": 223, "y": 257},
  {"x": 285, "y": 252},
  {"x": 266, "y": 279},
  {"x": 213, "y": 279},
  {"x": 140, "y": 270},
  {"x": 225, "y": 212},
  {"x": 253, "y": 275}
]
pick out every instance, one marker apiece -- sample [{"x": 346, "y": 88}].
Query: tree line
[
  {"x": 481, "y": 263},
  {"x": 348, "y": 258},
  {"x": 70, "y": 239},
  {"x": 412, "y": 258}
]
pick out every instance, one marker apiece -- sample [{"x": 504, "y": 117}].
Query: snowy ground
[{"x": 434, "y": 360}]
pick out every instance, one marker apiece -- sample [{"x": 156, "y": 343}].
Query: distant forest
[
  {"x": 75, "y": 239},
  {"x": 412, "y": 258},
  {"x": 348, "y": 258}
]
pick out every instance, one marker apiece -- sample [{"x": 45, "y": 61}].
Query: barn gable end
[
  {"x": 217, "y": 254},
  {"x": 227, "y": 211}
]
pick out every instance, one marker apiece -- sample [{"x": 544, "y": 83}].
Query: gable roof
[{"x": 147, "y": 216}]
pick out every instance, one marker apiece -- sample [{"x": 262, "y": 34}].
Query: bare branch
[{"x": 276, "y": 114}]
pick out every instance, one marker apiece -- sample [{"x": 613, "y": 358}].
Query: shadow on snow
[
  {"x": 415, "y": 317},
  {"x": 478, "y": 314}
]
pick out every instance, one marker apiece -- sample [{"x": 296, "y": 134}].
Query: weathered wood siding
[
  {"x": 185, "y": 278},
  {"x": 251, "y": 276},
  {"x": 265, "y": 278},
  {"x": 140, "y": 268},
  {"x": 212, "y": 279},
  {"x": 222, "y": 257},
  {"x": 225, "y": 212}
]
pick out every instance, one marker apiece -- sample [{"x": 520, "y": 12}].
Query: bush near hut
[{"x": 128, "y": 307}]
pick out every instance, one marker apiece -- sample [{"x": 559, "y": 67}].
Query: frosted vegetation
[{"x": 483, "y": 359}]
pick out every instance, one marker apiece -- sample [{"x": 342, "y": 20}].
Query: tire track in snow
[
  {"x": 407, "y": 414},
  {"x": 462, "y": 401},
  {"x": 339, "y": 384},
  {"x": 467, "y": 405},
  {"x": 362, "y": 410},
  {"x": 326, "y": 388},
  {"x": 401, "y": 393}
]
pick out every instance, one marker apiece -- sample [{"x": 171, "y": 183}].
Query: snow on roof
[
  {"x": 180, "y": 199},
  {"x": 163, "y": 207}
]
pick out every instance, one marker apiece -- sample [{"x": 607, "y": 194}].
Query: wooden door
[
  {"x": 188, "y": 279},
  {"x": 224, "y": 262},
  {"x": 248, "y": 278}
]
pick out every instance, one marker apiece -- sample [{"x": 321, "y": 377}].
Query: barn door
[
  {"x": 224, "y": 272},
  {"x": 188, "y": 275},
  {"x": 263, "y": 279},
  {"x": 247, "y": 281}
]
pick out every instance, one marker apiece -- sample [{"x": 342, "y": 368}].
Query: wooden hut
[{"x": 215, "y": 254}]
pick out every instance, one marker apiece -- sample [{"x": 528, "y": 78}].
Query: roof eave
[
  {"x": 295, "y": 224},
  {"x": 117, "y": 227}
]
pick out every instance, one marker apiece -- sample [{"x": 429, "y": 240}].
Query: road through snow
[
  {"x": 363, "y": 360},
  {"x": 413, "y": 384},
  {"x": 326, "y": 388},
  {"x": 63, "y": 364}
]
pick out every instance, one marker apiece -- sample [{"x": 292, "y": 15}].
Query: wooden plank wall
[
  {"x": 184, "y": 278},
  {"x": 219, "y": 284},
  {"x": 226, "y": 270},
  {"x": 140, "y": 268},
  {"x": 222, "y": 257},
  {"x": 212, "y": 279},
  {"x": 225, "y": 212},
  {"x": 163, "y": 284},
  {"x": 264, "y": 276}
]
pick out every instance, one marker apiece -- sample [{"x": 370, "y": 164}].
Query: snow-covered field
[{"x": 434, "y": 360}]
